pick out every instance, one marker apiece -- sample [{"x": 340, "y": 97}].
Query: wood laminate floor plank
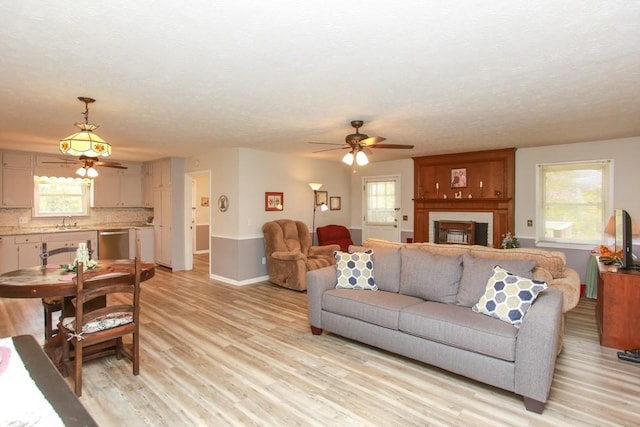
[{"x": 216, "y": 354}]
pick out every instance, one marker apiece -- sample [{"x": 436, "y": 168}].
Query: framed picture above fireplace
[{"x": 459, "y": 178}]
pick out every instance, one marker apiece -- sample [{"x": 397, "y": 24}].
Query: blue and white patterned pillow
[
  {"x": 355, "y": 270},
  {"x": 508, "y": 297}
]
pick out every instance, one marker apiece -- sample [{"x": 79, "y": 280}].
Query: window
[
  {"x": 574, "y": 201},
  {"x": 61, "y": 196},
  {"x": 381, "y": 202}
]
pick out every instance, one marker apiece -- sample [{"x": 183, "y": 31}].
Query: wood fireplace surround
[{"x": 490, "y": 186}]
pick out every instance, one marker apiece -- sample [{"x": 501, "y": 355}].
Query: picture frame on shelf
[
  {"x": 335, "y": 203},
  {"x": 322, "y": 197},
  {"x": 273, "y": 201},
  {"x": 459, "y": 178}
]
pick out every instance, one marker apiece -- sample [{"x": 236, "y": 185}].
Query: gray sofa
[{"x": 406, "y": 315}]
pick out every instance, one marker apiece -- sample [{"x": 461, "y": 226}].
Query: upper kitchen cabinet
[
  {"x": 17, "y": 180},
  {"x": 147, "y": 184},
  {"x": 118, "y": 187},
  {"x": 162, "y": 173}
]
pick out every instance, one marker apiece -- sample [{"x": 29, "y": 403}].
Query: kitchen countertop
[{"x": 15, "y": 231}]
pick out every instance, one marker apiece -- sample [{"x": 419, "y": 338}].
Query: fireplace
[{"x": 461, "y": 227}]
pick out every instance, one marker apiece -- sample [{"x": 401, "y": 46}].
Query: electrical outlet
[
  {"x": 405, "y": 217},
  {"x": 529, "y": 223},
  {"x": 264, "y": 260},
  {"x": 24, "y": 220}
]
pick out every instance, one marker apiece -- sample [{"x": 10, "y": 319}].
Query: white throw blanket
[{"x": 21, "y": 401}]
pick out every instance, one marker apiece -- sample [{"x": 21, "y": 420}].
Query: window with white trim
[
  {"x": 381, "y": 202},
  {"x": 574, "y": 201},
  {"x": 61, "y": 196}
]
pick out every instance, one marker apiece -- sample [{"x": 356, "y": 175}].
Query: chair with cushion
[
  {"x": 290, "y": 253},
  {"x": 117, "y": 290},
  {"x": 335, "y": 234},
  {"x": 52, "y": 304}
]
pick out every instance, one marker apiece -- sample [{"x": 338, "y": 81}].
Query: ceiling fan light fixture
[
  {"x": 361, "y": 158},
  {"x": 82, "y": 171},
  {"x": 348, "y": 158},
  {"x": 85, "y": 142},
  {"x": 91, "y": 172}
]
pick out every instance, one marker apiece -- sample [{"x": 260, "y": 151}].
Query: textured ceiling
[{"x": 181, "y": 78}]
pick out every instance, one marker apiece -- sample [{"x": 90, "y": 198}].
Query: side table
[{"x": 617, "y": 309}]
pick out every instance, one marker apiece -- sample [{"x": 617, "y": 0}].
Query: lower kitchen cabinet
[
  {"x": 19, "y": 251},
  {"x": 69, "y": 239}
]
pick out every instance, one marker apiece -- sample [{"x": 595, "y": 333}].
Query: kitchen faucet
[{"x": 63, "y": 226}]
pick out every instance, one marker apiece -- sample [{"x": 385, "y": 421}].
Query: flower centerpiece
[
  {"x": 82, "y": 255},
  {"x": 509, "y": 241}
]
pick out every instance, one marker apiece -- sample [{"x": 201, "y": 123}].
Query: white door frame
[
  {"x": 189, "y": 233},
  {"x": 389, "y": 232}
]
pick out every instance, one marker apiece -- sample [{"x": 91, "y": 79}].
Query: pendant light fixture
[{"x": 85, "y": 142}]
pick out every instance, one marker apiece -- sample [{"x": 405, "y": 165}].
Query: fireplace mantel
[
  {"x": 489, "y": 173},
  {"x": 500, "y": 208}
]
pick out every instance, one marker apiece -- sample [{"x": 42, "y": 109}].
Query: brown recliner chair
[{"x": 290, "y": 255}]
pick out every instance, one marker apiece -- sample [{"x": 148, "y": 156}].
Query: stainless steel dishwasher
[{"x": 113, "y": 243}]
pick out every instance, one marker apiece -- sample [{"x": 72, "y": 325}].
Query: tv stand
[{"x": 617, "y": 311}]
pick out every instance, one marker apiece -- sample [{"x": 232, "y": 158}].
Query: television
[{"x": 624, "y": 239}]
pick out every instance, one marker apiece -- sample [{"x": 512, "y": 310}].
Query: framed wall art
[
  {"x": 459, "y": 178},
  {"x": 273, "y": 201},
  {"x": 322, "y": 197},
  {"x": 335, "y": 203}
]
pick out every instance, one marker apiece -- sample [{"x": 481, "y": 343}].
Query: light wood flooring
[{"x": 215, "y": 354}]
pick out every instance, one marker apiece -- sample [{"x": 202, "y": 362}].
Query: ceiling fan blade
[
  {"x": 110, "y": 165},
  {"x": 406, "y": 147},
  {"x": 372, "y": 140},
  {"x": 67, "y": 162},
  {"x": 324, "y": 143},
  {"x": 330, "y": 149}
]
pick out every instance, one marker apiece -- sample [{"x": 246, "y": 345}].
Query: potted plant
[{"x": 509, "y": 241}]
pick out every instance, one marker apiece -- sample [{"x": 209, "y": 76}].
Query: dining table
[{"x": 55, "y": 281}]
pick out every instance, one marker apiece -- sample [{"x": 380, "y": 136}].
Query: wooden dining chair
[
  {"x": 92, "y": 331},
  {"x": 51, "y": 305}
]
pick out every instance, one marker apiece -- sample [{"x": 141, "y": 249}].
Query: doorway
[
  {"x": 198, "y": 203},
  {"x": 381, "y": 207}
]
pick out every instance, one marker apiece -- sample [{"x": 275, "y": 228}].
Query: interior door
[{"x": 381, "y": 207}]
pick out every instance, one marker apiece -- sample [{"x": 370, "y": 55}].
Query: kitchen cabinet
[
  {"x": 118, "y": 187},
  {"x": 147, "y": 185},
  {"x": 162, "y": 226},
  {"x": 17, "y": 180},
  {"x": 144, "y": 243},
  {"x": 69, "y": 239},
  {"x": 19, "y": 251},
  {"x": 162, "y": 173}
]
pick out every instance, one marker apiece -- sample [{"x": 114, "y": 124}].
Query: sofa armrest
[
  {"x": 537, "y": 346},
  {"x": 569, "y": 284},
  {"x": 288, "y": 256},
  {"x": 324, "y": 250},
  {"x": 318, "y": 282}
]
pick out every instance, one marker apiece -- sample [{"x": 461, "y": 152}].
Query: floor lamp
[{"x": 315, "y": 186}]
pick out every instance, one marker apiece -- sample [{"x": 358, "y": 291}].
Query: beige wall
[{"x": 625, "y": 154}]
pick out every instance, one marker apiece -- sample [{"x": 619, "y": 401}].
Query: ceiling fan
[
  {"x": 88, "y": 165},
  {"x": 358, "y": 143}
]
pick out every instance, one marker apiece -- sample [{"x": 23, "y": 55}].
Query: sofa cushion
[
  {"x": 476, "y": 272},
  {"x": 554, "y": 262},
  {"x": 355, "y": 270},
  {"x": 460, "y": 327},
  {"x": 508, "y": 297},
  {"x": 429, "y": 276},
  {"x": 379, "y": 308},
  {"x": 386, "y": 266}
]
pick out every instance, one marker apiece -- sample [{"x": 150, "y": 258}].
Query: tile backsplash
[{"x": 98, "y": 217}]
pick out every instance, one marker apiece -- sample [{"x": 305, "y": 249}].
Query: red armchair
[{"x": 334, "y": 234}]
